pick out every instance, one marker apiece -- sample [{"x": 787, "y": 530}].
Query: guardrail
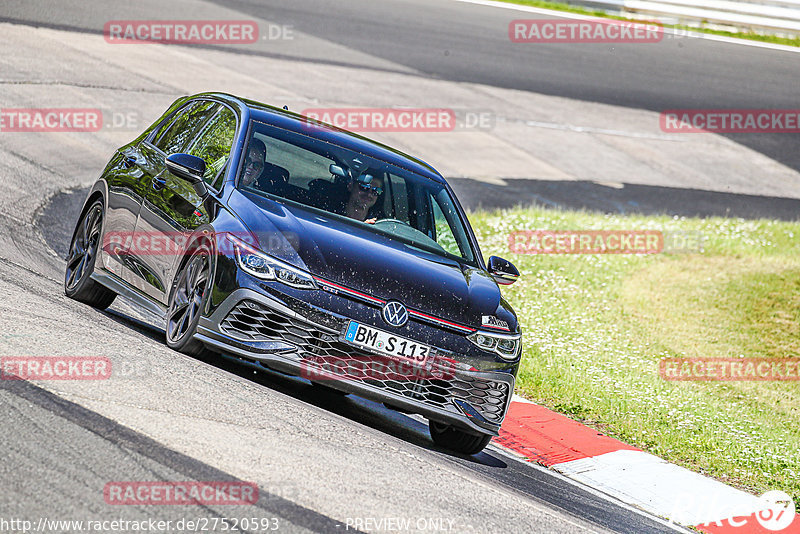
[{"x": 780, "y": 17}]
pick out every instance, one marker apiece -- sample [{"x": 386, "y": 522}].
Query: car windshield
[{"x": 357, "y": 188}]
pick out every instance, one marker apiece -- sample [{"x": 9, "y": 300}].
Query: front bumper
[{"x": 306, "y": 342}]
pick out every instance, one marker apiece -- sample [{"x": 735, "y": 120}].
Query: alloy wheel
[
  {"x": 188, "y": 296},
  {"x": 84, "y": 247}
]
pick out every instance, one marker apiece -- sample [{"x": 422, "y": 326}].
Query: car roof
[{"x": 298, "y": 123}]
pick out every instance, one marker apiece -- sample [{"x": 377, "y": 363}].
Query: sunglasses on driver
[{"x": 374, "y": 189}]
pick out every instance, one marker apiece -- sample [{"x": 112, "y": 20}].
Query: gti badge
[
  {"x": 493, "y": 322},
  {"x": 395, "y": 313}
]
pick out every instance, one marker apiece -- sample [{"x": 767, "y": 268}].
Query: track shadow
[
  {"x": 625, "y": 199},
  {"x": 357, "y": 409},
  {"x": 135, "y": 445},
  {"x": 143, "y": 327},
  {"x": 352, "y": 407}
]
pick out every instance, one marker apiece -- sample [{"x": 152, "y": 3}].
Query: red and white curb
[{"x": 635, "y": 477}]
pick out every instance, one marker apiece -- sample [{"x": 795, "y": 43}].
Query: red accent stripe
[
  {"x": 379, "y": 301},
  {"x": 496, "y": 327},
  {"x": 549, "y": 438},
  {"x": 351, "y": 291},
  {"x": 432, "y": 318}
]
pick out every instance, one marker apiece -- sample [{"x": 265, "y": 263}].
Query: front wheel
[
  {"x": 189, "y": 292},
  {"x": 455, "y": 439},
  {"x": 83, "y": 252}
]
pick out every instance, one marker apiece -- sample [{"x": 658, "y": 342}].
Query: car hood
[{"x": 359, "y": 258}]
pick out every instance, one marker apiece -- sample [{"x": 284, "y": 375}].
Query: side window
[
  {"x": 444, "y": 234},
  {"x": 214, "y": 145},
  {"x": 186, "y": 124},
  {"x": 303, "y": 165}
]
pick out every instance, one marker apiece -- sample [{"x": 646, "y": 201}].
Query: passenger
[{"x": 261, "y": 174}]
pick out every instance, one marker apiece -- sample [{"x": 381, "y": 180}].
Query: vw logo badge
[{"x": 395, "y": 313}]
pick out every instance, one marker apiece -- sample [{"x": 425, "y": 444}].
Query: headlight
[
  {"x": 266, "y": 267},
  {"x": 507, "y": 346}
]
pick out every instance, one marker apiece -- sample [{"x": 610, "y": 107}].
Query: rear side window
[{"x": 183, "y": 128}]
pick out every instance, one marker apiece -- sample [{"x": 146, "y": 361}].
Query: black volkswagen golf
[{"x": 262, "y": 235}]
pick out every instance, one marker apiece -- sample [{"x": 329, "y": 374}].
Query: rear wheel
[
  {"x": 83, "y": 252},
  {"x": 457, "y": 440},
  {"x": 189, "y": 293}
]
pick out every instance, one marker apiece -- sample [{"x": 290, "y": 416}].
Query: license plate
[{"x": 375, "y": 340}]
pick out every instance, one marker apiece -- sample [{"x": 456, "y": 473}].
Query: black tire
[
  {"x": 83, "y": 252},
  {"x": 455, "y": 439},
  {"x": 187, "y": 299}
]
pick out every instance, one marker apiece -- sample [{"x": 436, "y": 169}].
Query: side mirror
[
  {"x": 503, "y": 271},
  {"x": 336, "y": 170},
  {"x": 190, "y": 168}
]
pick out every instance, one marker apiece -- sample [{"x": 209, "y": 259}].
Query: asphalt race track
[
  {"x": 322, "y": 463},
  {"x": 469, "y": 43}
]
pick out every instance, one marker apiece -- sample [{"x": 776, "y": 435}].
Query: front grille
[
  {"x": 489, "y": 397},
  {"x": 326, "y": 357},
  {"x": 250, "y": 321}
]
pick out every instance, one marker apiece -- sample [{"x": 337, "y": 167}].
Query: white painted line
[
  {"x": 667, "y": 31},
  {"x": 591, "y": 129},
  {"x": 531, "y": 9},
  {"x": 499, "y": 449},
  {"x": 716, "y": 14},
  {"x": 661, "y": 488},
  {"x": 517, "y": 398}
]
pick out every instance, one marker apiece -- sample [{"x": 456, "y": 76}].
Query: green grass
[
  {"x": 595, "y": 327},
  {"x": 558, "y": 6}
]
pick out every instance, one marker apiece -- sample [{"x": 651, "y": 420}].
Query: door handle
[
  {"x": 159, "y": 183},
  {"x": 129, "y": 161}
]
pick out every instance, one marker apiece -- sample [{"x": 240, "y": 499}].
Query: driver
[{"x": 362, "y": 197}]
